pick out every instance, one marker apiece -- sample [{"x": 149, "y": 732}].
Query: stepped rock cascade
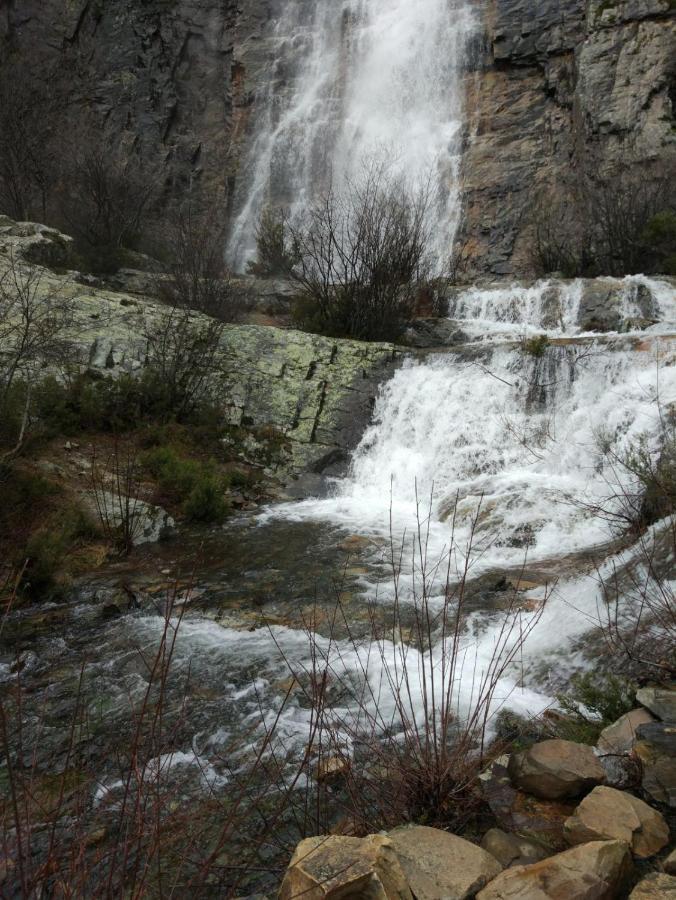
[{"x": 352, "y": 81}]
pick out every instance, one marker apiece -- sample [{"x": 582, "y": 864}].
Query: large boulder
[
  {"x": 438, "y": 864},
  {"x": 620, "y": 737},
  {"x": 660, "y": 701},
  {"x": 655, "y": 886},
  {"x": 607, "y": 814},
  {"x": 594, "y": 871},
  {"x": 342, "y": 867},
  {"x": 556, "y": 769}
]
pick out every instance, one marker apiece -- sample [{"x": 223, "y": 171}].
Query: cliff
[{"x": 552, "y": 85}]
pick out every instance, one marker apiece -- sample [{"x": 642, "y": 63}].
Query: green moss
[{"x": 535, "y": 346}]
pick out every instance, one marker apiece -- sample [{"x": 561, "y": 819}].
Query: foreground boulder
[
  {"x": 345, "y": 867},
  {"x": 607, "y": 814},
  {"x": 438, "y": 864},
  {"x": 594, "y": 871},
  {"x": 655, "y": 886},
  {"x": 554, "y": 770},
  {"x": 620, "y": 737}
]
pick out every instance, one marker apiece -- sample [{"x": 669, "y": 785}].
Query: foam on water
[{"x": 553, "y": 307}]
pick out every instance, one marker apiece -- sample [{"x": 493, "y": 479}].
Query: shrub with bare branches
[
  {"x": 198, "y": 278},
  {"x": 363, "y": 256}
]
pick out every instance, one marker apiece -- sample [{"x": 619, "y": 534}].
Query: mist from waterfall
[{"x": 351, "y": 81}]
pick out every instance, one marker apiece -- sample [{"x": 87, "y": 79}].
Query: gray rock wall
[{"x": 553, "y": 82}]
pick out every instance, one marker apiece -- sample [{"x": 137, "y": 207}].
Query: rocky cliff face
[
  {"x": 551, "y": 83},
  {"x": 163, "y": 75}
]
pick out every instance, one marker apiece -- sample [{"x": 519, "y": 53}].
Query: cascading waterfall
[{"x": 354, "y": 80}]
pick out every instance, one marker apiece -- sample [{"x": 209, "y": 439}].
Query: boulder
[
  {"x": 655, "y": 886},
  {"x": 656, "y": 749},
  {"x": 337, "y": 866},
  {"x": 438, "y": 864},
  {"x": 541, "y": 820},
  {"x": 512, "y": 849},
  {"x": 620, "y": 737},
  {"x": 607, "y": 814},
  {"x": 660, "y": 701},
  {"x": 594, "y": 871},
  {"x": 556, "y": 769}
]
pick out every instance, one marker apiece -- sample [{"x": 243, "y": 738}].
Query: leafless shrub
[
  {"x": 608, "y": 221},
  {"x": 106, "y": 200},
  {"x": 116, "y": 485},
  {"x": 26, "y": 163},
  {"x": 407, "y": 731},
  {"x": 363, "y": 255},
  {"x": 182, "y": 359},
  {"x": 34, "y": 320},
  {"x": 198, "y": 278}
]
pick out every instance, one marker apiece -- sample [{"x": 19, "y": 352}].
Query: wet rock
[
  {"x": 512, "y": 849},
  {"x": 655, "y": 886},
  {"x": 522, "y": 813},
  {"x": 608, "y": 814},
  {"x": 656, "y": 749},
  {"x": 438, "y": 864},
  {"x": 620, "y": 737},
  {"x": 660, "y": 701},
  {"x": 423, "y": 333},
  {"x": 594, "y": 871},
  {"x": 556, "y": 769},
  {"x": 337, "y": 866}
]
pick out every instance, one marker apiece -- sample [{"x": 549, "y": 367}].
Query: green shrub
[
  {"x": 592, "y": 703},
  {"x": 48, "y": 549},
  {"x": 193, "y": 485}
]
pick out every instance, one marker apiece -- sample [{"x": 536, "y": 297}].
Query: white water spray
[{"x": 352, "y": 80}]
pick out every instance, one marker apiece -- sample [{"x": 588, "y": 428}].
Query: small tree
[
  {"x": 276, "y": 251},
  {"x": 363, "y": 257}
]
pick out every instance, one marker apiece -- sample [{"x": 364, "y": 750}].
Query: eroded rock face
[
  {"x": 554, "y": 770},
  {"x": 551, "y": 83},
  {"x": 594, "y": 871},
  {"x": 608, "y": 814},
  {"x": 345, "y": 867},
  {"x": 438, "y": 864}
]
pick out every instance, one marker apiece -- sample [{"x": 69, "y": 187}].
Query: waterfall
[{"x": 349, "y": 81}]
